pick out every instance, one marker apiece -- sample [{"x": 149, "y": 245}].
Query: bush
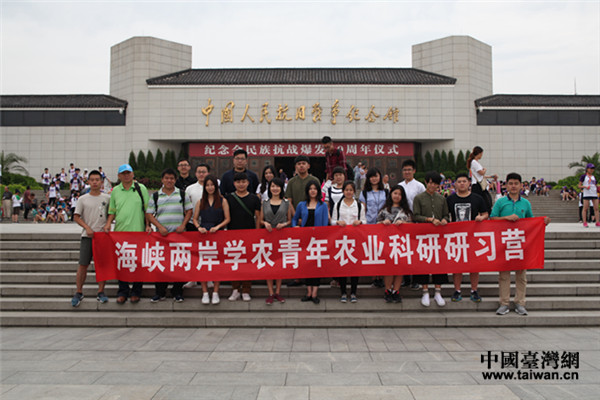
[
  {"x": 18, "y": 179},
  {"x": 449, "y": 174},
  {"x": 420, "y": 176},
  {"x": 150, "y": 183},
  {"x": 570, "y": 182},
  {"x": 13, "y": 187}
]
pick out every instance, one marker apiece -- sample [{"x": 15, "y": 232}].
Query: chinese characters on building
[{"x": 260, "y": 114}]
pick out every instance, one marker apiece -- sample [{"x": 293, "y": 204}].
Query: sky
[{"x": 63, "y": 47}]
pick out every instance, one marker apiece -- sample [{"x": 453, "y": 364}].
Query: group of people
[{"x": 238, "y": 200}]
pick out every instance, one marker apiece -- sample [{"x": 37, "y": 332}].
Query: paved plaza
[{"x": 158, "y": 363}]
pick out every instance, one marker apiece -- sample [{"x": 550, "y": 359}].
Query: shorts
[
  {"x": 85, "y": 251},
  {"x": 590, "y": 197},
  {"x": 16, "y": 210}
]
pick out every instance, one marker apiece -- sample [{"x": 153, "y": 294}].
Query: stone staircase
[
  {"x": 553, "y": 207},
  {"x": 37, "y": 277}
]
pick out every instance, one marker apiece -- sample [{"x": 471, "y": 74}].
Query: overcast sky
[{"x": 63, "y": 47}]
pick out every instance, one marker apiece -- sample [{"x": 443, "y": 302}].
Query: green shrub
[
  {"x": 10, "y": 178},
  {"x": 570, "y": 182},
  {"x": 420, "y": 176},
  {"x": 449, "y": 174},
  {"x": 13, "y": 187}
]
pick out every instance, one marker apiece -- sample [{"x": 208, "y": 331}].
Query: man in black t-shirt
[
  {"x": 466, "y": 206},
  {"x": 185, "y": 179},
  {"x": 243, "y": 209}
]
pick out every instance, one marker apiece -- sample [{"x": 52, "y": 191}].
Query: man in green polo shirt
[
  {"x": 127, "y": 208},
  {"x": 296, "y": 188},
  {"x": 512, "y": 208}
]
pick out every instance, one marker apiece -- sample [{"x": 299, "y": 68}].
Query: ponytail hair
[{"x": 476, "y": 151}]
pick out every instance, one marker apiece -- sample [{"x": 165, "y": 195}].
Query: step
[
  {"x": 572, "y": 244},
  {"x": 35, "y": 255},
  {"x": 291, "y": 305},
  {"x": 39, "y": 245},
  {"x": 485, "y": 290},
  {"x": 71, "y": 266},
  {"x": 299, "y": 319},
  {"x": 484, "y": 277}
]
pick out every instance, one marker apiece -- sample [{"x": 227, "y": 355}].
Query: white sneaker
[
  {"x": 439, "y": 299},
  {"x": 425, "y": 299},
  {"x": 190, "y": 285},
  {"x": 246, "y": 297},
  {"x": 205, "y": 298},
  {"x": 210, "y": 284},
  {"x": 215, "y": 298},
  {"x": 235, "y": 295}
]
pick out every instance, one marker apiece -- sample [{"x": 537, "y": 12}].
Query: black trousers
[
  {"x": 176, "y": 290},
  {"x": 353, "y": 284},
  {"x": 135, "y": 290}
]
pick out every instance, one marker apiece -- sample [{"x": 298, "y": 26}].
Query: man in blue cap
[{"x": 127, "y": 207}]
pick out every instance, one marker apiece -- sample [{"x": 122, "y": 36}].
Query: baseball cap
[
  {"x": 590, "y": 165},
  {"x": 124, "y": 168}
]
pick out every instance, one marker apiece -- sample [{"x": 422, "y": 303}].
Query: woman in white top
[
  {"x": 269, "y": 172},
  {"x": 478, "y": 177},
  {"x": 348, "y": 211},
  {"x": 589, "y": 187}
]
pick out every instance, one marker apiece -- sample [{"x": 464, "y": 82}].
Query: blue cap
[{"x": 125, "y": 168}]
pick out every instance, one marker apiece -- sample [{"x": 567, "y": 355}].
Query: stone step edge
[{"x": 301, "y": 319}]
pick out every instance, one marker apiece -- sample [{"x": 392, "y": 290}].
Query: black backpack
[
  {"x": 339, "y": 204},
  {"x": 182, "y": 201}
]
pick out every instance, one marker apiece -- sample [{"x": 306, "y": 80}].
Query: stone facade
[{"x": 429, "y": 116}]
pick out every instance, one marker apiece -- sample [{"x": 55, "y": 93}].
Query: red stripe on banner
[{"x": 330, "y": 251}]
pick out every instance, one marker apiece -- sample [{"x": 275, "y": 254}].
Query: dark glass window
[
  {"x": 527, "y": 118},
  {"x": 548, "y": 117},
  {"x": 539, "y": 117},
  {"x": 589, "y": 117},
  {"x": 62, "y": 118}
]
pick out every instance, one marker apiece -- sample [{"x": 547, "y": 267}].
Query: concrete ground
[{"x": 157, "y": 363}]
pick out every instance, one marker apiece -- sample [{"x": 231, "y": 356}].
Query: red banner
[
  {"x": 290, "y": 253},
  {"x": 268, "y": 149}
]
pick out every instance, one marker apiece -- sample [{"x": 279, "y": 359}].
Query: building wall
[{"x": 436, "y": 117}]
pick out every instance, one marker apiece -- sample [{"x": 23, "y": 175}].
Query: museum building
[{"x": 377, "y": 115}]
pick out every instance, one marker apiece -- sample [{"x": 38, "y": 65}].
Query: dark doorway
[{"x": 317, "y": 166}]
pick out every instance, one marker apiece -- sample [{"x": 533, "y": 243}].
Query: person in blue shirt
[
  {"x": 513, "y": 207},
  {"x": 311, "y": 212}
]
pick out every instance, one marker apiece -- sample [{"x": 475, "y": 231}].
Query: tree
[
  {"x": 443, "y": 162},
  {"x": 182, "y": 155},
  {"x": 585, "y": 160},
  {"x": 132, "y": 160},
  {"x": 10, "y": 163},
  {"x": 141, "y": 161},
  {"x": 437, "y": 160},
  {"x": 159, "y": 161},
  {"x": 419, "y": 162},
  {"x": 170, "y": 161},
  {"x": 428, "y": 162},
  {"x": 461, "y": 163},
  {"x": 451, "y": 161},
  {"x": 150, "y": 166}
]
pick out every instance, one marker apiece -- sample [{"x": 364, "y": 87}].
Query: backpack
[
  {"x": 182, "y": 201},
  {"x": 137, "y": 188},
  {"x": 339, "y": 204}
]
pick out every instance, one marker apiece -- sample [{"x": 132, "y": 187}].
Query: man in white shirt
[
  {"x": 412, "y": 188},
  {"x": 194, "y": 191}
]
